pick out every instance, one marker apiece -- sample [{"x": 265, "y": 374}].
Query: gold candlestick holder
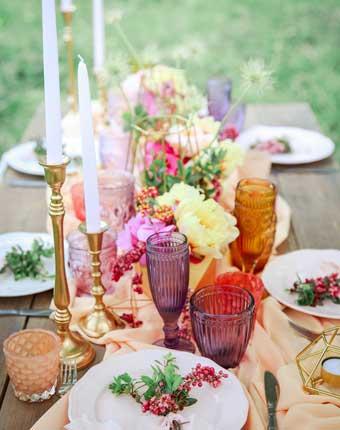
[
  {"x": 73, "y": 346},
  {"x": 100, "y": 320},
  {"x": 68, "y": 39},
  {"x": 103, "y": 93}
]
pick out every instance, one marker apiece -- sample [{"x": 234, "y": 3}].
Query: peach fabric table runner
[{"x": 273, "y": 347}]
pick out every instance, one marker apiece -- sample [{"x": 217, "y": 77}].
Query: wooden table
[{"x": 313, "y": 192}]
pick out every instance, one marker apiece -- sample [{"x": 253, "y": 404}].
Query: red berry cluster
[
  {"x": 323, "y": 287},
  {"x": 165, "y": 214},
  {"x": 130, "y": 319},
  {"x": 137, "y": 281},
  {"x": 201, "y": 374},
  {"x": 167, "y": 403},
  {"x": 160, "y": 406},
  {"x": 145, "y": 199},
  {"x": 124, "y": 262}
]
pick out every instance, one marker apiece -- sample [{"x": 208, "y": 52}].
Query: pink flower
[
  {"x": 155, "y": 149},
  {"x": 229, "y": 132},
  {"x": 150, "y": 103},
  {"x": 139, "y": 229}
]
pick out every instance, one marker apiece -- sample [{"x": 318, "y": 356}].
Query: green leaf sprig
[
  {"x": 29, "y": 263},
  {"x": 165, "y": 379}
]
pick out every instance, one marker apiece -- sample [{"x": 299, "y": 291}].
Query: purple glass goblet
[
  {"x": 219, "y": 97},
  {"x": 167, "y": 259},
  {"x": 222, "y": 319}
]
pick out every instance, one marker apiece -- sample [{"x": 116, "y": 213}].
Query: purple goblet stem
[
  {"x": 167, "y": 257},
  {"x": 171, "y": 338}
]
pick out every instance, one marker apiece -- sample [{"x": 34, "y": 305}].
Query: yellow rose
[
  {"x": 178, "y": 193},
  {"x": 208, "y": 227}
]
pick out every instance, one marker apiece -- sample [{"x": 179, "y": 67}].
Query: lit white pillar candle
[
  {"x": 66, "y": 6},
  {"x": 88, "y": 151},
  {"x": 51, "y": 84},
  {"x": 98, "y": 35}
]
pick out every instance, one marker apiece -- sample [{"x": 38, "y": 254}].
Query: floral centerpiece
[
  {"x": 208, "y": 227},
  {"x": 170, "y": 136}
]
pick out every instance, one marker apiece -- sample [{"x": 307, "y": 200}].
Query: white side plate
[
  {"x": 307, "y": 146},
  {"x": 281, "y": 273}
]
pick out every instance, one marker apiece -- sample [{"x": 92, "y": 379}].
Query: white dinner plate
[
  {"x": 281, "y": 273},
  {"x": 23, "y": 159},
  {"x": 307, "y": 146},
  {"x": 24, "y": 287},
  {"x": 225, "y": 407}
]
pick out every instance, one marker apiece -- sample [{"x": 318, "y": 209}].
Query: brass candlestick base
[
  {"x": 68, "y": 39},
  {"x": 100, "y": 320},
  {"x": 73, "y": 346}
]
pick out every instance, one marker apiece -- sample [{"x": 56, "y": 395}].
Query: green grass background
[{"x": 299, "y": 38}]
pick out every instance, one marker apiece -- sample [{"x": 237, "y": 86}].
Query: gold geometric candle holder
[
  {"x": 73, "y": 346},
  {"x": 100, "y": 320},
  {"x": 310, "y": 363}
]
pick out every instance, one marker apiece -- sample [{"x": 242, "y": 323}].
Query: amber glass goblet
[
  {"x": 222, "y": 319},
  {"x": 167, "y": 259},
  {"x": 256, "y": 221}
]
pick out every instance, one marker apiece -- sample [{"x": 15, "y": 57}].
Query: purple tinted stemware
[
  {"x": 167, "y": 258},
  {"x": 219, "y": 97},
  {"x": 222, "y": 319}
]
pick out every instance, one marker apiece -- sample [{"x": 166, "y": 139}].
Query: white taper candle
[
  {"x": 51, "y": 84},
  {"x": 88, "y": 151},
  {"x": 98, "y": 35},
  {"x": 66, "y": 6}
]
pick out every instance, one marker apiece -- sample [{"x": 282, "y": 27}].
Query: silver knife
[
  {"x": 26, "y": 312},
  {"x": 272, "y": 390}
]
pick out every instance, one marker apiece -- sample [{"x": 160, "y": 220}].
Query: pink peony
[{"x": 139, "y": 229}]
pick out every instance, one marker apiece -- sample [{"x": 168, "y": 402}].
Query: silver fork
[{"x": 68, "y": 376}]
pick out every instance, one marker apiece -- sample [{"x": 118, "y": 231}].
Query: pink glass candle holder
[
  {"x": 222, "y": 319},
  {"x": 32, "y": 361},
  {"x": 116, "y": 198},
  {"x": 79, "y": 261}
]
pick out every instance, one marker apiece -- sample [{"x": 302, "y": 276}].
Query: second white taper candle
[{"x": 91, "y": 193}]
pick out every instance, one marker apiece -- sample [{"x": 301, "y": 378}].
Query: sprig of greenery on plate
[
  {"x": 314, "y": 291},
  {"x": 28, "y": 264},
  {"x": 166, "y": 391}
]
